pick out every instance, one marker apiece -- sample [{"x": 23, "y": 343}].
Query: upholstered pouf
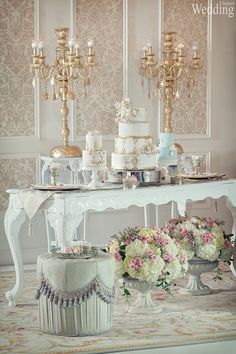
[{"x": 75, "y": 295}]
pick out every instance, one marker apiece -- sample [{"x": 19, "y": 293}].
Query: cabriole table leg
[{"x": 13, "y": 221}]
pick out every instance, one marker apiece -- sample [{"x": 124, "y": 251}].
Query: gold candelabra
[
  {"x": 172, "y": 66},
  {"x": 66, "y": 69}
]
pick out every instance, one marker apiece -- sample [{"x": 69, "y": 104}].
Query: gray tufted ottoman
[{"x": 75, "y": 295}]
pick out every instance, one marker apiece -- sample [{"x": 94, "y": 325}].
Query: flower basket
[
  {"x": 206, "y": 244},
  {"x": 146, "y": 259}
]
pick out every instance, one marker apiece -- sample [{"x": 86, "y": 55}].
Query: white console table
[{"x": 65, "y": 211}]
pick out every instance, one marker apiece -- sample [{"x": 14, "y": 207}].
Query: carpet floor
[{"x": 184, "y": 320}]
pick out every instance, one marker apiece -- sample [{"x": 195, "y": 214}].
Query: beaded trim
[{"x": 64, "y": 299}]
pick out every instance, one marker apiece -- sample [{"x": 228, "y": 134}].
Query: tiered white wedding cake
[
  {"x": 134, "y": 148},
  {"x": 94, "y": 156}
]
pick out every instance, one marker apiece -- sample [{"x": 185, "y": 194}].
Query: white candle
[
  {"x": 34, "y": 44},
  {"x": 52, "y": 82},
  {"x": 90, "y": 43},
  {"x": 71, "y": 42},
  {"x": 180, "y": 45},
  {"x": 40, "y": 44}
]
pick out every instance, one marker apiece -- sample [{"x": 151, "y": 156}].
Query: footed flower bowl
[
  {"x": 144, "y": 303},
  {"x": 196, "y": 267}
]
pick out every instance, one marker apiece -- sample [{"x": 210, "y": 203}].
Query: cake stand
[
  {"x": 146, "y": 177},
  {"x": 95, "y": 183}
]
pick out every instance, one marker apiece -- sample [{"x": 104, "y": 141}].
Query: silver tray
[
  {"x": 63, "y": 255},
  {"x": 145, "y": 177}
]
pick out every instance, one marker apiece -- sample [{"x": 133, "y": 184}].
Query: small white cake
[
  {"x": 134, "y": 148},
  {"x": 94, "y": 156}
]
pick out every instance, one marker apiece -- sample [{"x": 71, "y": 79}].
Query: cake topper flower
[
  {"x": 123, "y": 110},
  {"x": 126, "y": 111}
]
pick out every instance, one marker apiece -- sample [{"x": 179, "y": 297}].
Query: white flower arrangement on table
[
  {"x": 201, "y": 237},
  {"x": 147, "y": 255},
  {"x": 55, "y": 171}
]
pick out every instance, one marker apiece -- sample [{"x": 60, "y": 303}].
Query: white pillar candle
[{"x": 90, "y": 43}]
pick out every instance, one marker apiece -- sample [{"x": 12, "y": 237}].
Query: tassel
[
  {"x": 37, "y": 295},
  {"x": 65, "y": 303},
  {"x": 30, "y": 229},
  {"x": 55, "y": 300},
  {"x": 60, "y": 302},
  {"x": 70, "y": 302},
  {"x": 51, "y": 297},
  {"x": 45, "y": 290}
]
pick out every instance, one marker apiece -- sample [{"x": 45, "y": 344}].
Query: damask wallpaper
[
  {"x": 16, "y": 98},
  {"x": 15, "y": 173},
  {"x": 189, "y": 115},
  {"x": 102, "y": 21}
]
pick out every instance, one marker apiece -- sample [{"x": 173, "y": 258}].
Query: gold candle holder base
[{"x": 66, "y": 151}]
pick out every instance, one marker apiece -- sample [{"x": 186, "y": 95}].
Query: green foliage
[{"x": 219, "y": 275}]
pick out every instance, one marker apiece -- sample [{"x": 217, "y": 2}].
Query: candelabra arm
[
  {"x": 46, "y": 72},
  {"x": 69, "y": 72},
  {"x": 87, "y": 72}
]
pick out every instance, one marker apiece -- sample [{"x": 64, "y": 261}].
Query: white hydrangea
[
  {"x": 150, "y": 270},
  {"x": 171, "y": 248},
  {"x": 174, "y": 268},
  {"x": 186, "y": 248},
  {"x": 136, "y": 249},
  {"x": 208, "y": 252},
  {"x": 219, "y": 238},
  {"x": 119, "y": 269}
]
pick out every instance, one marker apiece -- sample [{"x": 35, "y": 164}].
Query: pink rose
[
  {"x": 207, "y": 237},
  {"x": 150, "y": 252},
  {"x": 117, "y": 257},
  {"x": 227, "y": 244}
]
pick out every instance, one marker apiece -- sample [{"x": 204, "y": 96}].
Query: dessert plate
[
  {"x": 71, "y": 187},
  {"x": 50, "y": 187},
  {"x": 202, "y": 176}
]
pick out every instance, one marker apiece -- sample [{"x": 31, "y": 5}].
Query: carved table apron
[{"x": 65, "y": 211}]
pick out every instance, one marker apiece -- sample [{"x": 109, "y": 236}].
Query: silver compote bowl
[
  {"x": 196, "y": 267},
  {"x": 144, "y": 303}
]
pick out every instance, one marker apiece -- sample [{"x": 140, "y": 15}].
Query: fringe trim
[{"x": 63, "y": 299}]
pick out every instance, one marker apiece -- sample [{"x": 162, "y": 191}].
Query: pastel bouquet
[
  {"x": 147, "y": 255},
  {"x": 201, "y": 237}
]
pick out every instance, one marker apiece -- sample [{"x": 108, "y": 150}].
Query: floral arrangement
[
  {"x": 130, "y": 182},
  {"x": 55, "y": 169},
  {"x": 78, "y": 247},
  {"x": 55, "y": 172},
  {"x": 200, "y": 237},
  {"x": 147, "y": 255}
]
